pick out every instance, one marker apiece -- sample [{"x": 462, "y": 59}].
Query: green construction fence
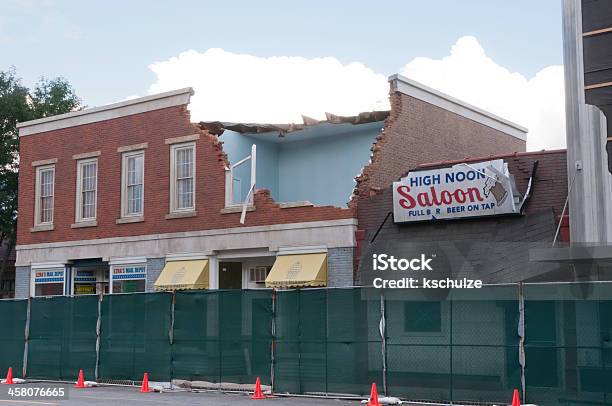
[{"x": 553, "y": 342}]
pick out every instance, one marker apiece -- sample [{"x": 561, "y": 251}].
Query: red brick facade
[
  {"x": 418, "y": 132},
  {"x": 414, "y": 133},
  {"x": 154, "y": 128}
]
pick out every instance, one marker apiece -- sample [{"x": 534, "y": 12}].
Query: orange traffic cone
[
  {"x": 9, "y": 377},
  {"x": 258, "y": 395},
  {"x": 373, "y": 396},
  {"x": 80, "y": 383},
  {"x": 145, "y": 384},
  {"x": 515, "y": 399}
]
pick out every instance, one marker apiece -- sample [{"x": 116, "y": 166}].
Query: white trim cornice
[
  {"x": 107, "y": 112},
  {"x": 186, "y": 256},
  {"x": 306, "y": 235},
  {"x": 419, "y": 91},
  {"x": 313, "y": 249},
  {"x": 192, "y": 234},
  {"x": 127, "y": 260},
  {"x": 47, "y": 265}
]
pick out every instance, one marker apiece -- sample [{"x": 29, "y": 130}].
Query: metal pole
[
  {"x": 564, "y": 207},
  {"x": 272, "y": 344},
  {"x": 451, "y": 346},
  {"x": 98, "y": 330},
  {"x": 171, "y": 334},
  {"x": 521, "y": 333},
  {"x": 24, "y": 369},
  {"x": 299, "y": 341},
  {"x": 326, "y": 339},
  {"x": 383, "y": 337}
]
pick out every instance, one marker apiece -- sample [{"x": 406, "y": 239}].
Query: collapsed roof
[{"x": 218, "y": 127}]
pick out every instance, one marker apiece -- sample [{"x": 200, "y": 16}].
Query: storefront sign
[
  {"x": 129, "y": 272},
  {"x": 55, "y": 276},
  {"x": 480, "y": 189},
  {"x": 85, "y": 276},
  {"x": 88, "y": 289}
]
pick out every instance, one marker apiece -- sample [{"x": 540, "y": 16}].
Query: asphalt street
[{"x": 119, "y": 396}]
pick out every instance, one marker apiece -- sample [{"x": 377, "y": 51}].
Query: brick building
[
  {"x": 133, "y": 196},
  {"x": 493, "y": 247}
]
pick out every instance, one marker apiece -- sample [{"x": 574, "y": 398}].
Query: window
[
  {"x": 237, "y": 192},
  {"x": 182, "y": 186},
  {"x": 132, "y": 192},
  {"x": 87, "y": 189},
  {"x": 128, "y": 278},
  {"x": 48, "y": 282},
  {"x": 7, "y": 285},
  {"x": 258, "y": 274},
  {"x": 45, "y": 187}
]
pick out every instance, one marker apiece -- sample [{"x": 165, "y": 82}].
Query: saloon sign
[{"x": 464, "y": 190}]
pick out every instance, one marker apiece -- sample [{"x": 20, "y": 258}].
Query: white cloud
[
  {"x": 239, "y": 87},
  {"x": 469, "y": 74}
]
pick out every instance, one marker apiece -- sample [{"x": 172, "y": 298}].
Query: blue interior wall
[
  {"x": 322, "y": 170},
  {"x": 318, "y": 164}
]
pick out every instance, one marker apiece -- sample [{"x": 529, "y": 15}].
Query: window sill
[
  {"x": 181, "y": 214},
  {"x": 42, "y": 227},
  {"x": 236, "y": 209},
  {"x": 86, "y": 223},
  {"x": 130, "y": 219}
]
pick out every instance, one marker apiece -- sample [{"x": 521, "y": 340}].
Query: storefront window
[
  {"x": 85, "y": 283},
  {"x": 128, "y": 278},
  {"x": 90, "y": 281},
  {"x": 49, "y": 282}
]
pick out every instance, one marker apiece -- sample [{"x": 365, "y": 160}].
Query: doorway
[
  {"x": 90, "y": 277},
  {"x": 230, "y": 275}
]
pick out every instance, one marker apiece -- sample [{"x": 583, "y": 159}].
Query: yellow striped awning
[
  {"x": 181, "y": 275},
  {"x": 297, "y": 270}
]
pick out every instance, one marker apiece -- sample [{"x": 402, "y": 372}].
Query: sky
[{"x": 270, "y": 61}]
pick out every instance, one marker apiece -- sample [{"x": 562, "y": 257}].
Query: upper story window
[
  {"x": 45, "y": 189},
  {"x": 182, "y": 177},
  {"x": 132, "y": 191},
  {"x": 87, "y": 189}
]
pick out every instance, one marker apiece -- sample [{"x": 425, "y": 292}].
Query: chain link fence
[{"x": 551, "y": 341}]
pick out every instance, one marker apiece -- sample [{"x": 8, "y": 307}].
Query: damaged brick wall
[
  {"x": 154, "y": 128},
  {"x": 417, "y": 132}
]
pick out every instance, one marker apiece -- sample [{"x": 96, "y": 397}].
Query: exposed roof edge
[
  {"x": 419, "y": 91},
  {"x": 489, "y": 158},
  {"x": 217, "y": 127},
  {"x": 107, "y": 112}
]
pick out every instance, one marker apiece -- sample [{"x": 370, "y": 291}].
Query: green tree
[{"x": 19, "y": 104}]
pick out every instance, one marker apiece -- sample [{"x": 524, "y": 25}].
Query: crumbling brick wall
[{"x": 417, "y": 132}]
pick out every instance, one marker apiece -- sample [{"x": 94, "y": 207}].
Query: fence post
[
  {"x": 273, "y": 330},
  {"x": 26, "y": 337},
  {"x": 383, "y": 336},
  {"x": 521, "y": 334},
  {"x": 98, "y": 330},
  {"x": 299, "y": 343},
  {"x": 171, "y": 330},
  {"x": 451, "y": 377},
  {"x": 171, "y": 336}
]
